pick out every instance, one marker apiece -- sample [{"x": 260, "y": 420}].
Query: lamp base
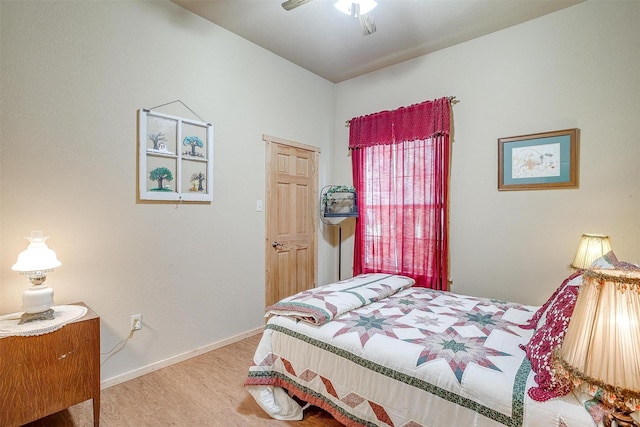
[
  {"x": 29, "y": 317},
  {"x": 621, "y": 419},
  {"x": 37, "y": 299}
]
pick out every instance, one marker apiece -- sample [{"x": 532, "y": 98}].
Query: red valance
[{"x": 417, "y": 121}]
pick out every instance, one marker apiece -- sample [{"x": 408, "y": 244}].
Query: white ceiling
[{"x": 319, "y": 38}]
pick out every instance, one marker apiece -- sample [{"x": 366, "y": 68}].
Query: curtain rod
[{"x": 452, "y": 99}]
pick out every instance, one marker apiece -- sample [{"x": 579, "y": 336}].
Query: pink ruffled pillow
[
  {"x": 544, "y": 341},
  {"x": 539, "y": 317}
]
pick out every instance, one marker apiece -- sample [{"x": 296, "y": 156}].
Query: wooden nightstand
[{"x": 44, "y": 374}]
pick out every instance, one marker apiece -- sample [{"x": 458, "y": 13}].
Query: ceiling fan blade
[
  {"x": 367, "y": 24},
  {"x": 292, "y": 4}
]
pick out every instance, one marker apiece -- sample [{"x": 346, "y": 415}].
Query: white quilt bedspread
[{"x": 415, "y": 358}]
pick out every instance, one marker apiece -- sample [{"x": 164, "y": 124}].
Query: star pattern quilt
[{"x": 417, "y": 357}]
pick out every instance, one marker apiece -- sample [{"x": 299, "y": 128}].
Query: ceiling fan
[{"x": 357, "y": 8}]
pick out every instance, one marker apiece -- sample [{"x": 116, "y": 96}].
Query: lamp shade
[
  {"x": 37, "y": 256},
  {"x": 591, "y": 247},
  {"x": 602, "y": 343}
]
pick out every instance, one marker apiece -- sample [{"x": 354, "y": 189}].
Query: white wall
[
  {"x": 73, "y": 75},
  {"x": 577, "y": 68}
]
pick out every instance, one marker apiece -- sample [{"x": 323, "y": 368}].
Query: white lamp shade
[
  {"x": 37, "y": 256},
  {"x": 602, "y": 342},
  {"x": 591, "y": 247}
]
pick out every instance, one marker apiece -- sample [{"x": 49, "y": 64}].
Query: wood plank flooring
[{"x": 206, "y": 390}]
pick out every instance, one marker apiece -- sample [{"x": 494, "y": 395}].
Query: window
[{"x": 402, "y": 188}]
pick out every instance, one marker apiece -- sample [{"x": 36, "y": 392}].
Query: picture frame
[
  {"x": 175, "y": 158},
  {"x": 539, "y": 161}
]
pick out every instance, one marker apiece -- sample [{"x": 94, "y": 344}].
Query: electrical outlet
[{"x": 136, "y": 322}]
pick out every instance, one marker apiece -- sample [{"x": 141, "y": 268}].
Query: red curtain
[{"x": 400, "y": 170}]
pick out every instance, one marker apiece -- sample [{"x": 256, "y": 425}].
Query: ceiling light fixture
[{"x": 355, "y": 8}]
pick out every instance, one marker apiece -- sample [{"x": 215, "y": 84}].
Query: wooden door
[{"x": 291, "y": 212}]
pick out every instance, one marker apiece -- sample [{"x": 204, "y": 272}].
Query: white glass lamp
[
  {"x": 35, "y": 262},
  {"x": 348, "y": 7},
  {"x": 591, "y": 247}
]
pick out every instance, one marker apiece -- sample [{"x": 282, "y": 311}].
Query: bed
[{"x": 375, "y": 351}]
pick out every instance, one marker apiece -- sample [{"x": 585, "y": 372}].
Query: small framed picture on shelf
[{"x": 538, "y": 161}]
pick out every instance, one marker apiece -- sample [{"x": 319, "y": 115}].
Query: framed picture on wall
[
  {"x": 538, "y": 161},
  {"x": 175, "y": 158}
]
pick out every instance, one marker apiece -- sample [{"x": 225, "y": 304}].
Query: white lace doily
[{"x": 62, "y": 314}]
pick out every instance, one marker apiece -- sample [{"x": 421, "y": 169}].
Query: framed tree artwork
[{"x": 175, "y": 158}]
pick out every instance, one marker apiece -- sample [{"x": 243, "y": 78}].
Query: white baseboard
[{"x": 110, "y": 382}]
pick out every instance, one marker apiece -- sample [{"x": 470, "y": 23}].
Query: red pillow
[
  {"x": 538, "y": 318},
  {"x": 545, "y": 340}
]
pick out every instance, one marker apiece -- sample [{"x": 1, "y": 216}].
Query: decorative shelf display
[
  {"x": 339, "y": 201},
  {"x": 175, "y": 158}
]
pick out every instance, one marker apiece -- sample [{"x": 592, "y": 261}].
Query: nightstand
[{"x": 44, "y": 374}]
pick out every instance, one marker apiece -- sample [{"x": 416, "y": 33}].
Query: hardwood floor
[{"x": 206, "y": 390}]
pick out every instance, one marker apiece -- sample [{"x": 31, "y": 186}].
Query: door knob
[{"x": 276, "y": 245}]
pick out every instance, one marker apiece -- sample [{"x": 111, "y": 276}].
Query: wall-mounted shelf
[{"x": 337, "y": 203}]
